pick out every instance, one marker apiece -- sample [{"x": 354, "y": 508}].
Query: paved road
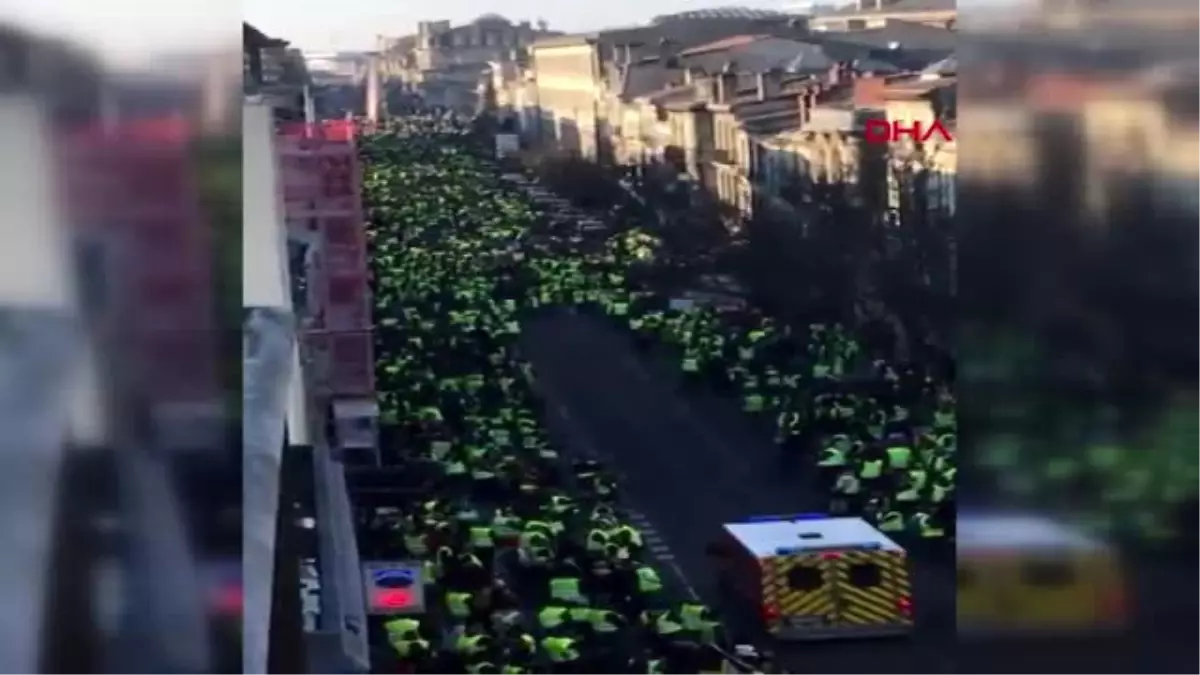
[{"x": 688, "y": 464}]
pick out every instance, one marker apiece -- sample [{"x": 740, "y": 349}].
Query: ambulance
[
  {"x": 813, "y": 577},
  {"x": 1028, "y": 574}
]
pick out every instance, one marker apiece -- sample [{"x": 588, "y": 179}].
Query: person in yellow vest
[
  {"x": 696, "y": 620},
  {"x": 926, "y": 527},
  {"x": 560, "y": 650},
  {"x": 871, "y": 471},
  {"x": 403, "y": 634},
  {"x": 459, "y": 605},
  {"x": 567, "y": 590},
  {"x": 482, "y": 544},
  {"x": 471, "y": 645},
  {"x": 891, "y": 521}
]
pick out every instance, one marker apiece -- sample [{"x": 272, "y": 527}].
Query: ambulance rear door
[
  {"x": 798, "y": 593},
  {"x": 872, "y": 590}
]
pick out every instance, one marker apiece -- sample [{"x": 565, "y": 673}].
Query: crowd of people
[
  {"x": 880, "y": 435},
  {"x": 531, "y": 564},
  {"x": 534, "y": 566}
]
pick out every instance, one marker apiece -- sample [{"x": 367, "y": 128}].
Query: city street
[{"x": 688, "y": 464}]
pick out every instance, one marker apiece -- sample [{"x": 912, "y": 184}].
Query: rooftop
[
  {"x": 730, "y": 42},
  {"x": 916, "y": 87},
  {"x": 900, "y": 34},
  {"x": 768, "y": 538},
  {"x": 253, "y": 37},
  {"x": 720, "y": 13},
  {"x": 492, "y": 18},
  {"x": 757, "y": 53}
]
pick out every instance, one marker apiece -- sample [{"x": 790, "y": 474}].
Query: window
[
  {"x": 865, "y": 575},
  {"x": 1047, "y": 574},
  {"x": 805, "y": 578}
]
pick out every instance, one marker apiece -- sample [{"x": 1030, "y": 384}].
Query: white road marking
[
  {"x": 674, "y": 567},
  {"x": 662, "y": 555}
]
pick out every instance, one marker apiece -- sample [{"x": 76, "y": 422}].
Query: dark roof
[
  {"x": 945, "y": 67},
  {"x": 905, "y": 34},
  {"x": 253, "y": 37},
  {"x": 759, "y": 53},
  {"x": 644, "y": 78},
  {"x": 719, "y": 13},
  {"x": 731, "y": 42},
  {"x": 492, "y": 18}
]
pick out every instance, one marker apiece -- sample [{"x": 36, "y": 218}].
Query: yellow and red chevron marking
[
  {"x": 878, "y": 604},
  {"x": 795, "y": 602}
]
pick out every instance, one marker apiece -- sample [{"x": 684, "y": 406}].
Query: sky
[
  {"x": 325, "y": 25},
  {"x": 131, "y": 32},
  {"x": 352, "y": 25}
]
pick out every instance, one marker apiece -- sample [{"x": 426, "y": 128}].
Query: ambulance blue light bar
[
  {"x": 865, "y": 546},
  {"x": 794, "y": 516}
]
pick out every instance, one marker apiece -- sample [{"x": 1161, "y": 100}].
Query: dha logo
[{"x": 883, "y": 131}]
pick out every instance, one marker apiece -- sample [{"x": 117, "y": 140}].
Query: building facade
[
  {"x": 451, "y": 65},
  {"x": 487, "y": 39},
  {"x": 933, "y": 164},
  {"x": 869, "y": 14},
  {"x": 752, "y": 120},
  {"x": 567, "y": 84}
]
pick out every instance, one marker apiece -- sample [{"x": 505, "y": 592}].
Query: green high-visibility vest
[
  {"x": 871, "y": 469},
  {"x": 832, "y": 456},
  {"x": 892, "y": 521}
]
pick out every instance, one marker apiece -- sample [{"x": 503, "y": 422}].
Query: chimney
[
  {"x": 768, "y": 83},
  {"x": 666, "y": 49},
  {"x": 726, "y": 87}
]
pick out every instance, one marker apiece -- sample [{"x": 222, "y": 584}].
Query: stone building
[
  {"x": 866, "y": 14},
  {"x": 451, "y": 65},
  {"x": 751, "y": 119},
  {"x": 488, "y": 39},
  {"x": 576, "y": 74},
  {"x": 921, "y": 100}
]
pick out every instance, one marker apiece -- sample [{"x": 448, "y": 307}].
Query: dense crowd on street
[{"x": 535, "y": 565}]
